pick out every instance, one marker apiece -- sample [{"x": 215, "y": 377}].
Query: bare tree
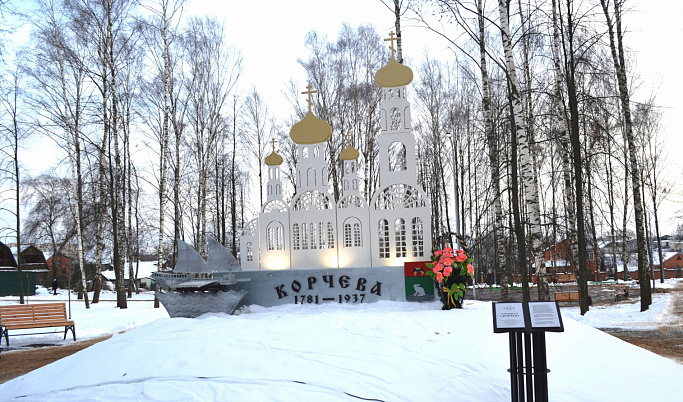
[
  {"x": 619, "y": 60},
  {"x": 215, "y": 69},
  {"x": 161, "y": 35},
  {"x": 526, "y": 168},
  {"x": 646, "y": 122},
  {"x": 13, "y": 135},
  {"x": 257, "y": 119}
]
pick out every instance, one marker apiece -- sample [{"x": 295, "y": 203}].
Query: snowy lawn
[{"x": 386, "y": 351}]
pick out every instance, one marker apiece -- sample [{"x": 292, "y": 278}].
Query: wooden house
[
  {"x": 6, "y": 257},
  {"x": 560, "y": 264},
  {"x": 33, "y": 259}
]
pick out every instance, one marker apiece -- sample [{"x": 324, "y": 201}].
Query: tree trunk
[
  {"x": 620, "y": 71},
  {"x": 580, "y": 270},
  {"x": 526, "y": 168},
  {"x": 494, "y": 155},
  {"x": 74, "y": 151},
  {"x": 399, "y": 46}
]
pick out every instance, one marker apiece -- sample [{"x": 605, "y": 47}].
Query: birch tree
[
  {"x": 160, "y": 39},
  {"x": 215, "y": 69},
  {"x": 257, "y": 120},
  {"x": 571, "y": 80},
  {"x": 619, "y": 60},
  {"x": 526, "y": 168},
  {"x": 61, "y": 98}
]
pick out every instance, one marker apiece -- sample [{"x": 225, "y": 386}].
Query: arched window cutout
[
  {"x": 399, "y": 196},
  {"x": 314, "y": 236},
  {"x": 275, "y": 206},
  {"x": 406, "y": 119},
  {"x": 400, "y": 232},
  {"x": 305, "y": 152},
  {"x": 352, "y": 233},
  {"x": 316, "y": 152},
  {"x": 304, "y": 236},
  {"x": 395, "y": 116},
  {"x": 310, "y": 177},
  {"x": 312, "y": 200},
  {"x": 251, "y": 229},
  {"x": 357, "y": 235},
  {"x": 330, "y": 235},
  {"x": 295, "y": 237},
  {"x": 322, "y": 238},
  {"x": 383, "y": 235},
  {"x": 250, "y": 252},
  {"x": 418, "y": 237},
  {"x": 355, "y": 184},
  {"x": 397, "y": 156},
  {"x": 348, "y": 237},
  {"x": 275, "y": 234}
]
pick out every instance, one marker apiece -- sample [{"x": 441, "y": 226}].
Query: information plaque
[
  {"x": 527, "y": 317},
  {"x": 526, "y": 324}
]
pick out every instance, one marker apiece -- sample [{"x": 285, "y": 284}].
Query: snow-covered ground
[{"x": 387, "y": 351}]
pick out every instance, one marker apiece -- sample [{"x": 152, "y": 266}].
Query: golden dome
[
  {"x": 310, "y": 130},
  {"x": 273, "y": 159},
  {"x": 349, "y": 153},
  {"x": 394, "y": 74}
]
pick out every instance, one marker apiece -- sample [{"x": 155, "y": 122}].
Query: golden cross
[
  {"x": 348, "y": 137},
  {"x": 309, "y": 92},
  {"x": 392, "y": 38},
  {"x": 273, "y": 141}
]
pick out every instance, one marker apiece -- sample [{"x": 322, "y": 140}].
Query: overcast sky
[{"x": 270, "y": 35}]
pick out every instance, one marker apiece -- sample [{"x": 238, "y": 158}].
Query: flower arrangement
[{"x": 450, "y": 269}]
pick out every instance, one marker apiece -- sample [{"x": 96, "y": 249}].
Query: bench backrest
[
  {"x": 30, "y": 313},
  {"x": 567, "y": 296}
]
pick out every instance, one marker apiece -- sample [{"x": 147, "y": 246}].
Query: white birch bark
[
  {"x": 72, "y": 133},
  {"x": 526, "y": 165},
  {"x": 493, "y": 154},
  {"x": 558, "y": 108}
]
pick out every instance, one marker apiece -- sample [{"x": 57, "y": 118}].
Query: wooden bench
[
  {"x": 29, "y": 316},
  {"x": 568, "y": 297},
  {"x": 622, "y": 293}
]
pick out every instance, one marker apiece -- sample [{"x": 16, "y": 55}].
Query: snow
[
  {"x": 388, "y": 351},
  {"x": 145, "y": 270}
]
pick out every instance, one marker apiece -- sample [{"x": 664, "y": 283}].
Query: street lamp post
[
  {"x": 455, "y": 191},
  {"x": 457, "y": 209}
]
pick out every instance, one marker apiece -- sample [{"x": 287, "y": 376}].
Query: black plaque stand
[{"x": 526, "y": 324}]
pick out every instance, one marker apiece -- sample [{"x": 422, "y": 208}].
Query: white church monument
[{"x": 312, "y": 232}]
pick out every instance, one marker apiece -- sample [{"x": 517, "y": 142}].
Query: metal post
[
  {"x": 457, "y": 209},
  {"x": 455, "y": 191},
  {"x": 540, "y": 367},
  {"x": 514, "y": 369},
  {"x": 520, "y": 367}
]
